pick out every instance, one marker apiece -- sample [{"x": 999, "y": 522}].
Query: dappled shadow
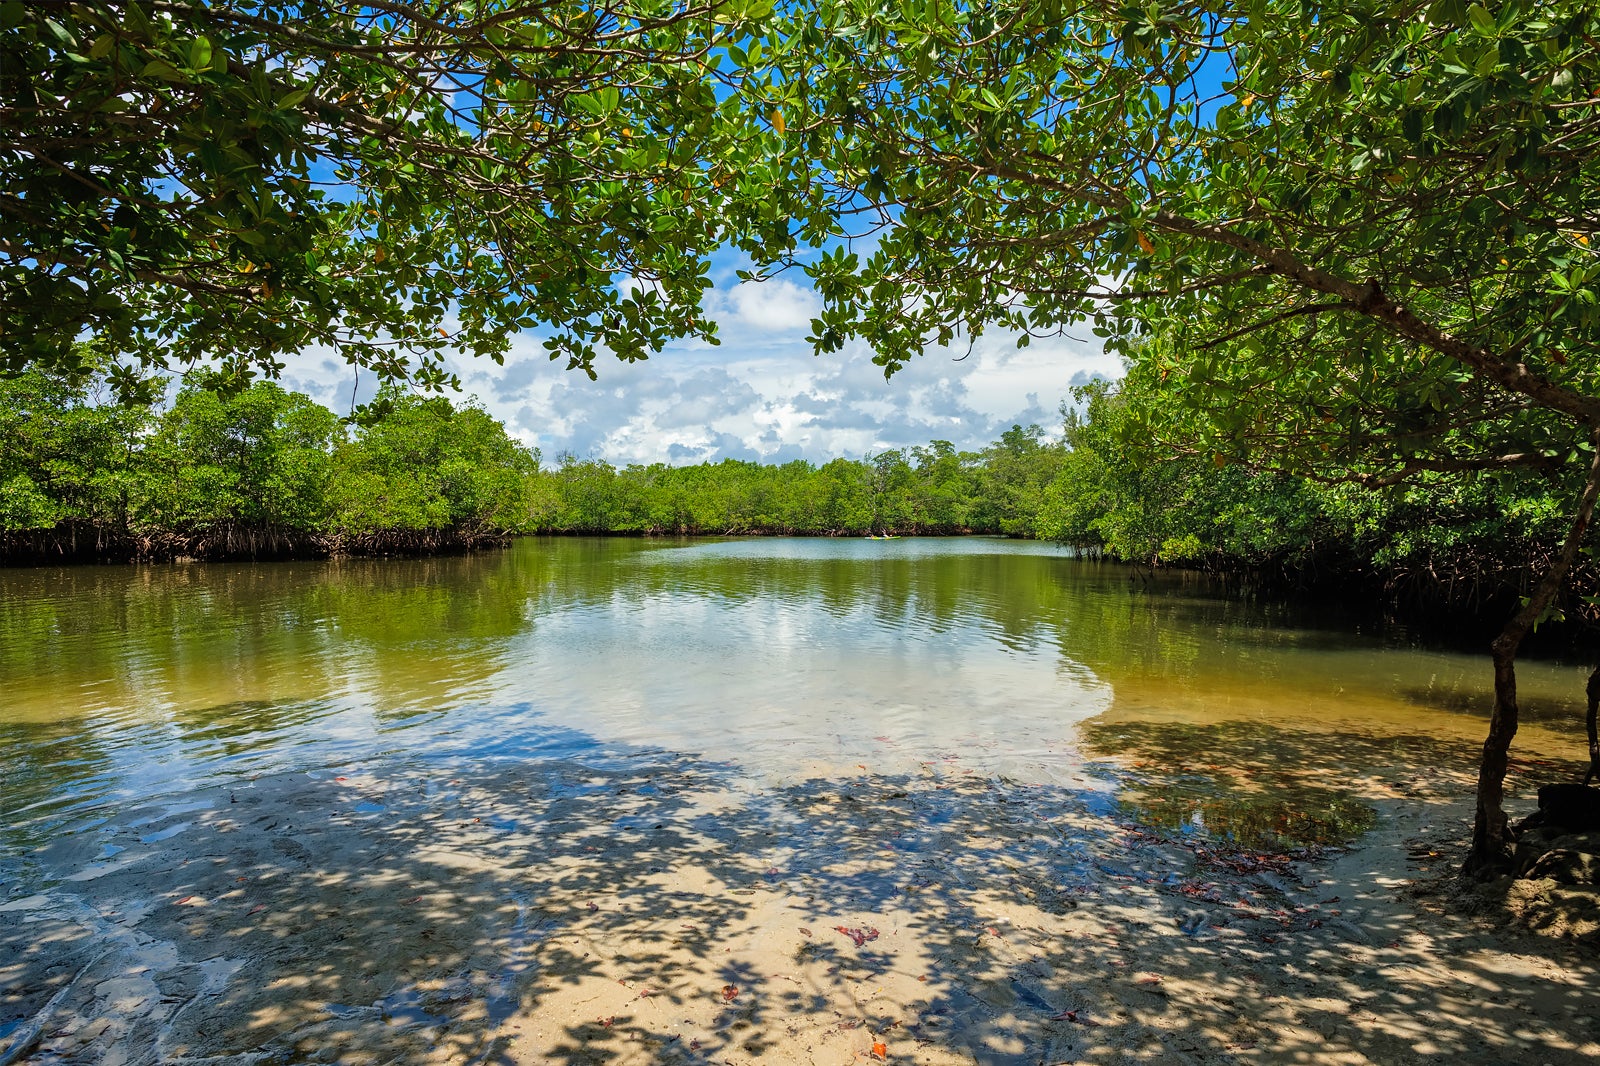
[
  {"x": 1268, "y": 786},
  {"x": 655, "y": 908},
  {"x": 1555, "y": 711}
]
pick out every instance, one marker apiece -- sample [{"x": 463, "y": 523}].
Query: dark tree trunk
[{"x": 1491, "y": 835}]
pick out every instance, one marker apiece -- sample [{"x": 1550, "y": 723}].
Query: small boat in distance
[{"x": 885, "y": 536}]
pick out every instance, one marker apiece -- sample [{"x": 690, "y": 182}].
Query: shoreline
[
  {"x": 173, "y": 549},
  {"x": 661, "y": 910},
  {"x": 249, "y": 547}
]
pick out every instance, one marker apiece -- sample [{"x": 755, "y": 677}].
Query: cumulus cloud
[
  {"x": 774, "y": 306},
  {"x": 760, "y": 394}
]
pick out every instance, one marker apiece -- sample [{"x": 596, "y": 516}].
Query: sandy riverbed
[{"x": 661, "y": 910}]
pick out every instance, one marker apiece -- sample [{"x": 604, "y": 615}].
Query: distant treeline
[
  {"x": 263, "y": 472},
  {"x": 924, "y": 490}
]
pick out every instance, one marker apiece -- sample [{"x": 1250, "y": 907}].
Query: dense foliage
[
  {"x": 924, "y": 490},
  {"x": 261, "y": 471},
  {"x": 1467, "y": 544},
  {"x": 1358, "y": 234},
  {"x": 253, "y": 472},
  {"x": 229, "y": 180}
]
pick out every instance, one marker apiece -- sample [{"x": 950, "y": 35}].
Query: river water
[{"x": 779, "y": 659}]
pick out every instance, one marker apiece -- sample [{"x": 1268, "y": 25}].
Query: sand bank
[{"x": 661, "y": 910}]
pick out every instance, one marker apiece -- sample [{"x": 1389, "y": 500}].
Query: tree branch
[
  {"x": 1293, "y": 312},
  {"x": 1370, "y": 300}
]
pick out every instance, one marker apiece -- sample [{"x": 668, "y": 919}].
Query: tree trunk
[{"x": 1491, "y": 835}]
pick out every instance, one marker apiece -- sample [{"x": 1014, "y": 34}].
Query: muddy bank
[
  {"x": 86, "y": 543},
  {"x": 663, "y": 910}
]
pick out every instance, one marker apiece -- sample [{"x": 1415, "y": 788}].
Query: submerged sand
[{"x": 663, "y": 910}]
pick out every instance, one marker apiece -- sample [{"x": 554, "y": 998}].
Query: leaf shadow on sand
[{"x": 600, "y": 910}]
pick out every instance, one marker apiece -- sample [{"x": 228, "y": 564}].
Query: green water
[{"x": 781, "y": 659}]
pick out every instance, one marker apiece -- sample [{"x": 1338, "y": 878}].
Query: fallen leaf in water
[
  {"x": 258, "y": 908},
  {"x": 729, "y": 993},
  {"x": 1067, "y": 1016},
  {"x": 593, "y": 906},
  {"x": 860, "y": 936},
  {"x": 1148, "y": 979},
  {"x": 409, "y": 902},
  {"x": 804, "y": 931},
  {"x": 880, "y": 1050},
  {"x": 607, "y": 1022}
]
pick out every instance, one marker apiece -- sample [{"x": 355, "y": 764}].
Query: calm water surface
[{"x": 781, "y": 658}]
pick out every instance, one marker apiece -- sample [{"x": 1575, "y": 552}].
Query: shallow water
[{"x": 781, "y": 659}]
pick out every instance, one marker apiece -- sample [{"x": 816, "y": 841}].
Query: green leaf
[
  {"x": 160, "y": 68},
  {"x": 1411, "y": 125}
]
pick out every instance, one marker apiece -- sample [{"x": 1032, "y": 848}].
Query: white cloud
[
  {"x": 760, "y": 393},
  {"x": 777, "y": 305}
]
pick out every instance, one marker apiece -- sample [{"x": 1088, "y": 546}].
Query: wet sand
[{"x": 664, "y": 910}]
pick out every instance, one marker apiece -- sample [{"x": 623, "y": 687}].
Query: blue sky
[{"x": 761, "y": 394}]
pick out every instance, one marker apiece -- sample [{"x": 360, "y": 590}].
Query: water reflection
[{"x": 783, "y": 657}]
